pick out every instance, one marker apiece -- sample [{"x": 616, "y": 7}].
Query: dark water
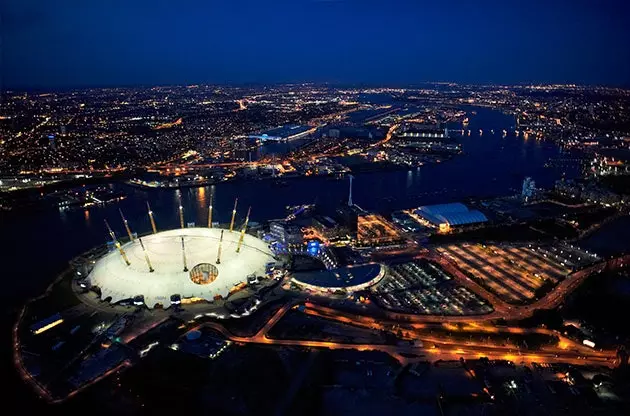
[
  {"x": 610, "y": 239},
  {"x": 36, "y": 246}
]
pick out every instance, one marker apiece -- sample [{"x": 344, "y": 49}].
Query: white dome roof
[{"x": 120, "y": 281}]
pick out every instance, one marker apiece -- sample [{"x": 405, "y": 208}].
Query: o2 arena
[{"x": 196, "y": 262}]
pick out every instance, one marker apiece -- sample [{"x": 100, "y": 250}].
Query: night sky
[{"x": 74, "y": 43}]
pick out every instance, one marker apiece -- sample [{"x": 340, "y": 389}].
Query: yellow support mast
[
  {"x": 126, "y": 224},
  {"x": 181, "y": 215},
  {"x": 240, "y": 240},
  {"x": 117, "y": 244},
  {"x": 233, "y": 215},
  {"x": 219, "y": 250},
  {"x": 151, "y": 218},
  {"x": 122, "y": 253},
  {"x": 184, "y": 255},
  {"x": 111, "y": 232},
  {"x": 210, "y": 211},
  {"x": 146, "y": 256}
]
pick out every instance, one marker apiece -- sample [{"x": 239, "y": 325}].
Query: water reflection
[{"x": 201, "y": 198}]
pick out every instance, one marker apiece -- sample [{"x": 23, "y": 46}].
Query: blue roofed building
[
  {"x": 446, "y": 216},
  {"x": 349, "y": 278}
]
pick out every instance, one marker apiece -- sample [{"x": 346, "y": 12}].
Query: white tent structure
[{"x": 120, "y": 281}]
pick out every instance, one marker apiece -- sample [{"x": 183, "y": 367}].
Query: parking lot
[
  {"x": 567, "y": 255},
  {"x": 423, "y": 287},
  {"x": 512, "y": 272}
]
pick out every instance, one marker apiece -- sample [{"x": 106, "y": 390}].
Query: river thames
[{"x": 37, "y": 245}]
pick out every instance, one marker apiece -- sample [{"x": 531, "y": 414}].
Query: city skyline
[
  {"x": 336, "y": 42},
  {"x": 315, "y": 207}
]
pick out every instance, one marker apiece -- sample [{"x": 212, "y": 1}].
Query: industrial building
[
  {"x": 374, "y": 230},
  {"x": 529, "y": 189},
  {"x": 329, "y": 229},
  {"x": 414, "y": 131},
  {"x": 447, "y": 216},
  {"x": 286, "y": 233},
  {"x": 611, "y": 162}
]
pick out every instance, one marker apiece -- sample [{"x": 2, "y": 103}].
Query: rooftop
[
  {"x": 164, "y": 249},
  {"x": 452, "y": 214},
  {"x": 341, "y": 278}
]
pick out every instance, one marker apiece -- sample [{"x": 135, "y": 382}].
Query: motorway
[
  {"x": 565, "y": 346},
  {"x": 430, "y": 347}
]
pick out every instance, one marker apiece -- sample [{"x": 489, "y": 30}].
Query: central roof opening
[{"x": 204, "y": 273}]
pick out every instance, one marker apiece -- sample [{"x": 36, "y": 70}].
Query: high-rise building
[
  {"x": 286, "y": 233},
  {"x": 529, "y": 189},
  {"x": 350, "y": 193},
  {"x": 51, "y": 141},
  {"x": 334, "y": 133}
]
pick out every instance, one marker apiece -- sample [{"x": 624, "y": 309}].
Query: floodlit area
[
  {"x": 513, "y": 273},
  {"x": 174, "y": 256},
  {"x": 374, "y": 229},
  {"x": 423, "y": 287},
  {"x": 567, "y": 255}
]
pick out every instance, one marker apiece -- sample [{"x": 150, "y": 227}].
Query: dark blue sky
[{"x": 65, "y": 43}]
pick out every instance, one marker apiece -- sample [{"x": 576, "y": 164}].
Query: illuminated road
[
  {"x": 431, "y": 347},
  {"x": 389, "y": 135},
  {"x": 417, "y": 340},
  {"x": 441, "y": 347},
  {"x": 19, "y": 363},
  {"x": 42, "y": 124},
  {"x": 273, "y": 320},
  {"x": 435, "y": 347},
  {"x": 419, "y": 332}
]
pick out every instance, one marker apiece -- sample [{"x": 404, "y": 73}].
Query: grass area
[
  {"x": 595, "y": 216},
  {"x": 249, "y": 325},
  {"x": 60, "y": 297},
  {"x": 246, "y": 380},
  {"x": 600, "y": 303},
  {"x": 552, "y": 229},
  {"x": 297, "y": 325}
]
